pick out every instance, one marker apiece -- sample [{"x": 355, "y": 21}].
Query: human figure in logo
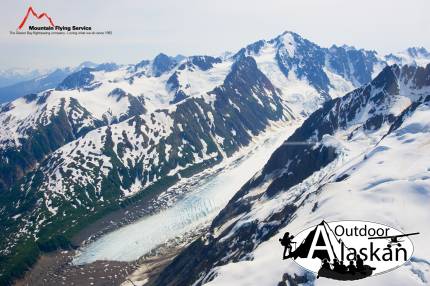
[
  {"x": 360, "y": 263},
  {"x": 351, "y": 267},
  {"x": 286, "y": 243},
  {"x": 342, "y": 267},
  {"x": 336, "y": 265},
  {"x": 326, "y": 264}
]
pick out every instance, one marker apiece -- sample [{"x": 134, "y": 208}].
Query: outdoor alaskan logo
[{"x": 348, "y": 250}]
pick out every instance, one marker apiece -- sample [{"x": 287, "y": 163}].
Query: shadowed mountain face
[
  {"x": 75, "y": 102},
  {"x": 103, "y": 134},
  {"x": 301, "y": 169},
  {"x": 143, "y": 149},
  {"x": 311, "y": 62}
]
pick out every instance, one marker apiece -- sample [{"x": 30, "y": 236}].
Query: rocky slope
[
  {"x": 351, "y": 159},
  {"x": 105, "y": 134}
]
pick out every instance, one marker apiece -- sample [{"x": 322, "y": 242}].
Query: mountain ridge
[
  {"x": 108, "y": 133},
  {"x": 335, "y": 144}
]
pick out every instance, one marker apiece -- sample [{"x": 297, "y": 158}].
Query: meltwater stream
[{"x": 198, "y": 207}]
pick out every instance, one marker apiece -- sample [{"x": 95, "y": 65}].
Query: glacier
[{"x": 193, "y": 211}]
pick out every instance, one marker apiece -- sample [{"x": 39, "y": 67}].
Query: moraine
[{"x": 191, "y": 213}]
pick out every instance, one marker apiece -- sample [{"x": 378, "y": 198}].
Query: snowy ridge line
[
  {"x": 107, "y": 133},
  {"x": 365, "y": 176}
]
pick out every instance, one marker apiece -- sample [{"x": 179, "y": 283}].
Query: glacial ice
[{"x": 196, "y": 209}]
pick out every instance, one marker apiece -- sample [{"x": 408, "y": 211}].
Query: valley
[{"x": 122, "y": 161}]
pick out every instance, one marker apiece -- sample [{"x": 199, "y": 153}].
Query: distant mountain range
[
  {"x": 15, "y": 83},
  {"x": 102, "y": 134},
  {"x": 15, "y": 75}
]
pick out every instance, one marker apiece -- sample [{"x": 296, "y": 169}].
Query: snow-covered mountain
[
  {"x": 351, "y": 159},
  {"x": 411, "y": 56},
  {"x": 107, "y": 133},
  {"x": 302, "y": 74}
]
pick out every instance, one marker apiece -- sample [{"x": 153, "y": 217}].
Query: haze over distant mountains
[{"x": 15, "y": 83}]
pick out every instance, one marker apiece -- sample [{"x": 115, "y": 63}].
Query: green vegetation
[{"x": 59, "y": 232}]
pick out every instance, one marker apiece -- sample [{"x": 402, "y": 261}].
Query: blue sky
[{"x": 143, "y": 28}]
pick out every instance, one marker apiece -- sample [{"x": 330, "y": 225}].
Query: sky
[{"x": 143, "y": 28}]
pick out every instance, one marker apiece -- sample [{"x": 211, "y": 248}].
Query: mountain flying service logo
[
  {"x": 30, "y": 11},
  {"x": 46, "y": 24},
  {"x": 348, "y": 250}
]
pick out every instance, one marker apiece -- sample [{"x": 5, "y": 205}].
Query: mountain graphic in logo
[{"x": 30, "y": 11}]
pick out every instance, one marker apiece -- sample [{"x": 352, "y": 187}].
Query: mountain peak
[
  {"x": 86, "y": 64},
  {"x": 411, "y": 56},
  {"x": 387, "y": 78},
  {"x": 162, "y": 63},
  {"x": 160, "y": 57},
  {"x": 417, "y": 52},
  {"x": 291, "y": 34},
  {"x": 289, "y": 41}
]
